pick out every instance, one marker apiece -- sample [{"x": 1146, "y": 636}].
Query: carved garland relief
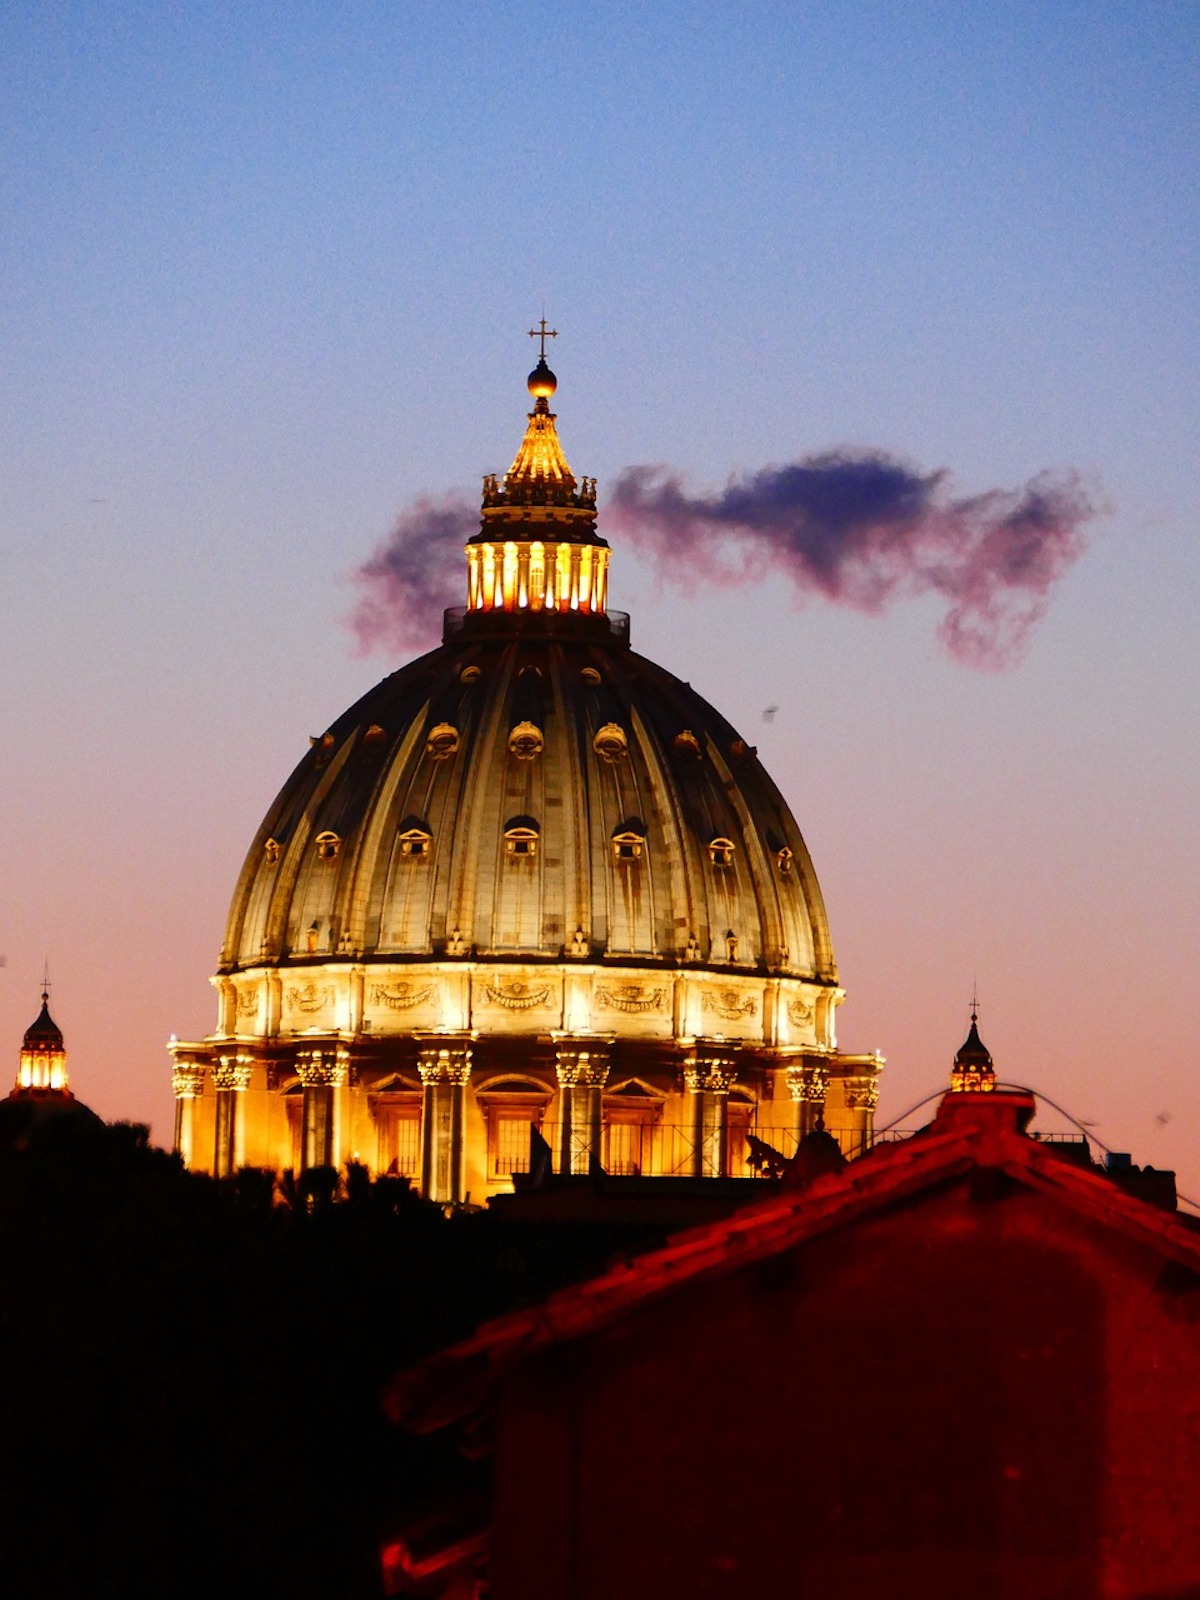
[
  {"x": 309, "y": 998},
  {"x": 729, "y": 1004},
  {"x": 403, "y": 998},
  {"x": 630, "y": 998},
  {"x": 517, "y": 996}
]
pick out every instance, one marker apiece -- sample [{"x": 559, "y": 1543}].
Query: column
[
  {"x": 322, "y": 1070},
  {"x": 582, "y": 1068},
  {"x": 807, "y": 1082},
  {"x": 708, "y": 1077},
  {"x": 231, "y": 1079},
  {"x": 861, "y": 1094},
  {"x": 187, "y": 1081},
  {"x": 445, "y": 1069}
]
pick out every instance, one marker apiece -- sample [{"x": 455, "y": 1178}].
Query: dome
[
  {"x": 531, "y": 791},
  {"x": 528, "y": 867}
]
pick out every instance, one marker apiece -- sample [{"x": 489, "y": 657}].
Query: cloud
[
  {"x": 858, "y": 528},
  {"x": 863, "y": 529},
  {"x": 414, "y": 574}
]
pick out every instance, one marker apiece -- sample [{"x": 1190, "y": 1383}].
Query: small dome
[
  {"x": 973, "y": 1052},
  {"x": 541, "y": 381},
  {"x": 43, "y": 1033}
]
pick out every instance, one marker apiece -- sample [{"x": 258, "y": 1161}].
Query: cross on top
[{"x": 543, "y": 333}]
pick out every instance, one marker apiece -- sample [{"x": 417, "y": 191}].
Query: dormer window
[
  {"x": 328, "y": 845},
  {"x": 526, "y": 741},
  {"x": 442, "y": 741},
  {"x": 521, "y": 836},
  {"x": 688, "y": 745},
  {"x": 720, "y": 851},
  {"x": 375, "y": 737},
  {"x": 415, "y": 840},
  {"x": 629, "y": 840},
  {"x": 784, "y": 860},
  {"x": 610, "y": 743},
  {"x": 272, "y": 850},
  {"x": 322, "y": 747}
]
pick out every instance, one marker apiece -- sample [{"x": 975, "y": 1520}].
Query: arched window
[
  {"x": 721, "y": 850},
  {"x": 328, "y": 845}
]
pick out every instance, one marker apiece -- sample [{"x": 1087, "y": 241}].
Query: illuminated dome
[{"x": 534, "y": 862}]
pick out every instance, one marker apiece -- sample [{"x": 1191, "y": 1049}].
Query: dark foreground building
[{"x": 964, "y": 1365}]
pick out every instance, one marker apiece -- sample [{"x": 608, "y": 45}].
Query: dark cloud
[
  {"x": 863, "y": 529},
  {"x": 860, "y": 528}
]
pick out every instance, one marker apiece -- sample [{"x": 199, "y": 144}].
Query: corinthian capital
[
  {"x": 444, "y": 1063},
  {"x": 322, "y": 1067},
  {"x": 808, "y": 1083},
  {"x": 581, "y": 1066},
  {"x": 710, "y": 1074},
  {"x": 862, "y": 1094},
  {"x": 187, "y": 1080},
  {"x": 232, "y": 1072}
]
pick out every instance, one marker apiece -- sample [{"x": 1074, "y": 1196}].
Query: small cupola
[
  {"x": 973, "y": 1071},
  {"x": 43, "y": 1064}
]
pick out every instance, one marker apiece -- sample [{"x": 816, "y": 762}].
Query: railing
[
  {"x": 662, "y": 1149},
  {"x": 460, "y": 621}
]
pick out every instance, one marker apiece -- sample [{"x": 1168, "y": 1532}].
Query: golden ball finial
[{"x": 541, "y": 381}]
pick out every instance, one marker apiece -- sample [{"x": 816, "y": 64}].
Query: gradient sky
[{"x": 267, "y": 272}]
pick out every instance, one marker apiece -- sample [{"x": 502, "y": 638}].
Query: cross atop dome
[{"x": 543, "y": 333}]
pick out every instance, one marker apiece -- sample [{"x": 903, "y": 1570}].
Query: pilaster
[
  {"x": 323, "y": 1070},
  {"x": 187, "y": 1083},
  {"x": 708, "y": 1076},
  {"x": 445, "y": 1068},
  {"x": 582, "y": 1069},
  {"x": 808, "y": 1082},
  {"x": 231, "y": 1079}
]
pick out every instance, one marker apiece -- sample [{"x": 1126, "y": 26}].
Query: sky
[{"x": 267, "y": 277}]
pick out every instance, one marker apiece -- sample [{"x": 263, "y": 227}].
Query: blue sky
[{"x": 267, "y": 273}]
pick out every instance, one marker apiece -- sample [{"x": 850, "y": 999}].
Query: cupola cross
[{"x": 543, "y": 333}]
